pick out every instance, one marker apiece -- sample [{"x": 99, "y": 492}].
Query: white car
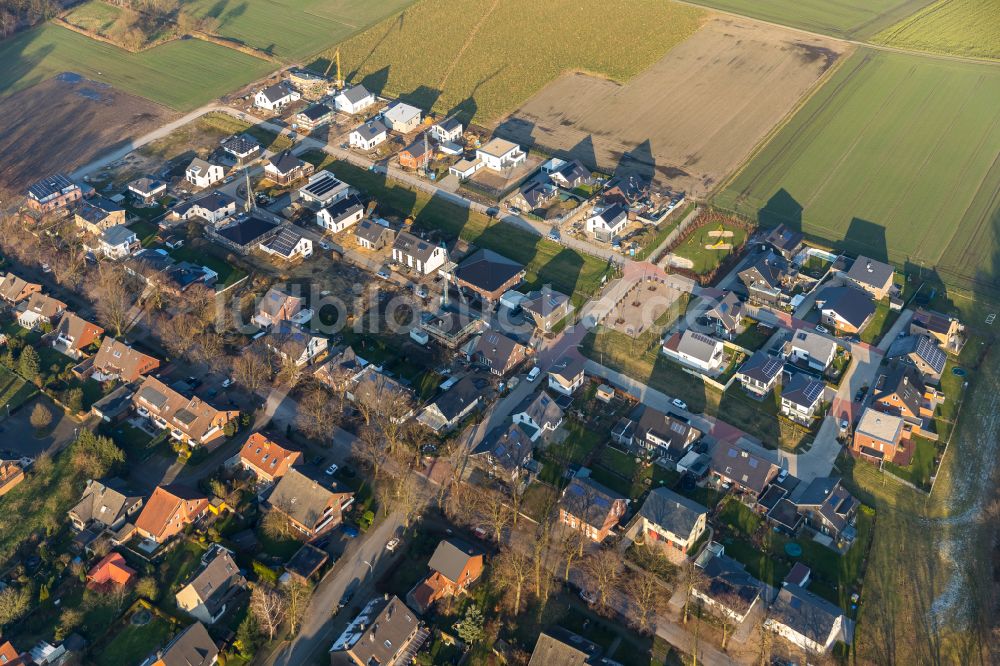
[
  {"x": 332, "y": 469},
  {"x": 227, "y": 382},
  {"x": 820, "y": 328},
  {"x": 533, "y": 375},
  {"x": 392, "y": 545},
  {"x": 325, "y": 245},
  {"x": 679, "y": 404}
]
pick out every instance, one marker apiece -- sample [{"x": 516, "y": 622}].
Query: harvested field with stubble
[
  {"x": 692, "y": 117},
  {"x": 65, "y": 122}
]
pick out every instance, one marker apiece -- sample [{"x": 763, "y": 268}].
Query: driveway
[{"x": 18, "y": 436}]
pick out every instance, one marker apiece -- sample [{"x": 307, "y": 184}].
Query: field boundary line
[{"x": 468, "y": 41}]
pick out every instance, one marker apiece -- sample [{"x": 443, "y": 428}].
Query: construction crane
[
  {"x": 251, "y": 204},
  {"x": 338, "y": 82}
]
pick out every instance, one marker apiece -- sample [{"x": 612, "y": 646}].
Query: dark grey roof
[
  {"x": 450, "y": 124},
  {"x": 344, "y": 208},
  {"x": 450, "y": 558},
  {"x": 496, "y": 349},
  {"x": 510, "y": 447},
  {"x": 241, "y": 144},
  {"x": 306, "y": 560},
  {"x": 541, "y": 409},
  {"x": 544, "y": 303},
  {"x": 803, "y": 389},
  {"x": 785, "y": 514},
  {"x": 726, "y": 582},
  {"x": 573, "y": 170},
  {"x": 589, "y": 501},
  {"x": 568, "y": 366},
  {"x": 315, "y": 112},
  {"x": 355, "y": 94},
  {"x": 536, "y": 193},
  {"x": 762, "y": 366},
  {"x": 784, "y": 239},
  {"x": 674, "y": 513},
  {"x": 743, "y": 467},
  {"x": 923, "y": 347},
  {"x": 902, "y": 380},
  {"x": 371, "y": 129},
  {"x": 729, "y": 310},
  {"x": 213, "y": 201},
  {"x": 870, "y": 272},
  {"x": 804, "y": 612},
  {"x": 216, "y": 581},
  {"x": 96, "y": 211},
  {"x": 414, "y": 246},
  {"x": 117, "y": 235},
  {"x": 146, "y": 185},
  {"x": 284, "y": 242},
  {"x": 766, "y": 272},
  {"x": 302, "y": 498},
  {"x": 49, "y": 186},
  {"x": 612, "y": 214},
  {"x": 558, "y": 647},
  {"x": 853, "y": 305},
  {"x": 247, "y": 231},
  {"x": 285, "y": 162},
  {"x": 830, "y": 499},
  {"x": 276, "y": 92},
  {"x": 370, "y": 231},
  {"x": 191, "y": 647},
  {"x": 487, "y": 270},
  {"x": 678, "y": 434},
  {"x": 457, "y": 399}
]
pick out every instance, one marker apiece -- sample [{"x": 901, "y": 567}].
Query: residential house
[
  {"x": 97, "y": 214},
  {"x": 307, "y": 563},
  {"x": 727, "y": 316},
  {"x": 546, "y": 308},
  {"x": 73, "y": 334},
  {"x": 746, "y": 472},
  {"x": 242, "y": 147},
  {"x": 500, "y": 155},
  {"x": 53, "y": 192},
  {"x": 899, "y": 390},
  {"x": 455, "y": 565},
  {"x": 566, "y": 374},
  {"x": 760, "y": 373},
  {"x": 9, "y": 656},
  {"x": 168, "y": 511},
  {"x": 368, "y": 135},
  {"x": 558, "y": 647},
  {"x": 488, "y": 274},
  {"x": 829, "y": 507},
  {"x": 631, "y": 191},
  {"x": 534, "y": 195},
  {"x": 505, "y": 452},
  {"x": 449, "y": 129},
  {"x": 801, "y": 397},
  {"x": 324, "y": 189},
  {"x": 214, "y": 207},
  {"x": 109, "y": 574},
  {"x": 353, "y": 100},
  {"x": 804, "y": 619},
  {"x": 118, "y": 242},
  {"x": 921, "y": 352},
  {"x": 538, "y": 414},
  {"x": 314, "y": 117},
  {"x": 785, "y": 241},
  {"x": 277, "y": 306},
  {"x": 246, "y": 232},
  {"x": 498, "y": 353},
  {"x": 266, "y": 458},
  {"x": 873, "y": 276},
  {"x": 815, "y": 350},
  {"x": 341, "y": 214},
  {"x": 607, "y": 223},
  {"x": 340, "y": 369},
  {"x": 417, "y": 155},
  {"x": 727, "y": 589},
  {"x": 202, "y": 173},
  {"x": 590, "y": 508},
  {"x": 766, "y": 280},
  {"x": 422, "y": 256},
  {"x": 311, "y": 507},
  {"x": 373, "y": 387},
  {"x": 451, "y": 329},
  {"x": 103, "y": 506},
  {"x": 846, "y": 309},
  {"x": 285, "y": 168},
  {"x": 695, "y": 350},
  {"x": 11, "y": 474},
  {"x": 288, "y": 244},
  {"x": 14, "y": 289},
  {"x": 947, "y": 331},
  {"x": 191, "y": 647},
  {"x": 156, "y": 266},
  {"x": 881, "y": 437},
  {"x": 294, "y": 343},
  {"x": 464, "y": 169},
  {"x": 39, "y": 310},
  {"x": 452, "y": 406},
  {"x": 147, "y": 190},
  {"x": 664, "y": 434},
  {"x": 671, "y": 521},
  {"x": 385, "y": 633},
  {"x": 373, "y": 235},
  {"x": 571, "y": 174},
  {"x": 117, "y": 360},
  {"x": 401, "y": 117},
  {"x": 276, "y": 96},
  {"x": 208, "y": 594},
  {"x": 189, "y": 420}
]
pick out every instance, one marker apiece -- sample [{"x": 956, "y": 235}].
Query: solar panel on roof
[
  {"x": 677, "y": 427},
  {"x": 321, "y": 186},
  {"x": 752, "y": 462}
]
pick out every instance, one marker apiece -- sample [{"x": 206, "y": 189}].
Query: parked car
[
  {"x": 351, "y": 532},
  {"x": 533, "y": 374},
  {"x": 325, "y": 245},
  {"x": 332, "y": 469},
  {"x": 679, "y": 404},
  {"x": 227, "y": 382},
  {"x": 844, "y": 425},
  {"x": 392, "y": 545},
  {"x": 860, "y": 395},
  {"x": 344, "y": 600},
  {"x": 820, "y": 328}
]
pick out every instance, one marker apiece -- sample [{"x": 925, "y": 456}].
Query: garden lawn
[
  {"x": 227, "y": 125},
  {"x": 134, "y": 643},
  {"x": 204, "y": 256},
  {"x": 881, "y": 321},
  {"x": 921, "y": 468},
  {"x": 703, "y": 259},
  {"x": 146, "y": 231},
  {"x": 14, "y": 391}
]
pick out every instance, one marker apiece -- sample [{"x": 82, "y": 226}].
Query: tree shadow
[
  {"x": 866, "y": 238},
  {"x": 781, "y": 208}
]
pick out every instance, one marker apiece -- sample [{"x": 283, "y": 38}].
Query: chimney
[{"x": 906, "y": 380}]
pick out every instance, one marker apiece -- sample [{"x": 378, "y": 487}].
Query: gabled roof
[
  {"x": 315, "y": 111},
  {"x": 450, "y": 124},
  {"x": 116, "y": 357},
  {"x": 81, "y": 331},
  {"x": 276, "y": 92},
  {"x": 416, "y": 247},
  {"x": 371, "y": 129},
  {"x": 284, "y": 242},
  {"x": 936, "y": 322},
  {"x": 568, "y": 367},
  {"x": 784, "y": 239},
  {"x": 118, "y": 235},
  {"x": 611, "y": 215},
  {"x": 285, "y": 163},
  {"x": 247, "y": 231},
  {"x": 803, "y": 611},
  {"x": 43, "y": 305},
  {"x": 589, "y": 501},
  {"x": 674, "y": 513},
  {"x": 94, "y": 212},
  {"x": 163, "y": 504},
  {"x": 383, "y": 636},
  {"x": 199, "y": 166},
  {"x": 510, "y": 447},
  {"x": 192, "y": 416},
  {"x": 191, "y": 647},
  {"x": 678, "y": 434},
  {"x": 370, "y": 231},
  {"x": 344, "y": 208},
  {"x": 536, "y": 193},
  {"x": 496, "y": 349},
  {"x": 697, "y": 345},
  {"x": 766, "y": 272},
  {"x": 870, "y": 272},
  {"x": 213, "y": 201},
  {"x": 241, "y": 144},
  {"x": 450, "y": 558},
  {"x": 401, "y": 112},
  {"x": 146, "y": 185},
  {"x": 817, "y": 346},
  {"x": 541, "y": 409},
  {"x": 275, "y": 300},
  {"x": 354, "y": 94},
  {"x": 455, "y": 400},
  {"x": 419, "y": 147},
  {"x": 726, "y": 582},
  {"x": 901, "y": 380},
  {"x": 923, "y": 347},
  {"x": 303, "y": 498},
  {"x": 803, "y": 390},
  {"x": 216, "y": 580},
  {"x": 487, "y": 270},
  {"x": 104, "y": 503},
  {"x": 762, "y": 367},
  {"x": 266, "y": 453},
  {"x": 573, "y": 170},
  {"x": 49, "y": 186},
  {"x": 12, "y": 286},
  {"x": 729, "y": 310},
  {"x": 743, "y": 467},
  {"x": 827, "y": 496},
  {"x": 558, "y": 647},
  {"x": 544, "y": 303},
  {"x": 852, "y": 305}
]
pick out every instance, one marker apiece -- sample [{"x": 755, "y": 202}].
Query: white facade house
[
  {"x": 418, "y": 254},
  {"x": 449, "y": 129},
  {"x": 695, "y": 350},
  {"x": 368, "y": 135},
  {"x": 402, "y": 118},
  {"x": 201, "y": 173},
  {"x": 295, "y": 343},
  {"x": 501, "y": 155},
  {"x": 214, "y": 207},
  {"x": 275, "y": 97},
  {"x": 463, "y": 169},
  {"x": 341, "y": 215},
  {"x": 324, "y": 189},
  {"x": 812, "y": 348},
  {"x": 353, "y": 100},
  {"x": 118, "y": 242},
  {"x": 607, "y": 223},
  {"x": 288, "y": 244},
  {"x": 805, "y": 620}
]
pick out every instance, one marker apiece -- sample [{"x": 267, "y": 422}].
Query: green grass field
[
  {"x": 959, "y": 27},
  {"x": 855, "y": 19},
  {"x": 485, "y": 58},
  {"x": 176, "y": 74},
  {"x": 895, "y": 156},
  {"x": 94, "y": 15},
  {"x": 291, "y": 29}
]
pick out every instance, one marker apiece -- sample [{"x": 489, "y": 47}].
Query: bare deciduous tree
[
  {"x": 513, "y": 570},
  {"x": 374, "y": 450},
  {"x": 114, "y": 294},
  {"x": 317, "y": 416},
  {"x": 297, "y": 595},
  {"x": 268, "y": 607},
  {"x": 251, "y": 368},
  {"x": 647, "y": 596},
  {"x": 603, "y": 568},
  {"x": 495, "y": 510}
]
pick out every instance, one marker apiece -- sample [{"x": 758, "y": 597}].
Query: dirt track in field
[
  {"x": 67, "y": 121},
  {"x": 691, "y": 118}
]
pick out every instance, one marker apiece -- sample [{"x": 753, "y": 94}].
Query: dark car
[
  {"x": 860, "y": 395},
  {"x": 351, "y": 532},
  {"x": 344, "y": 600}
]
